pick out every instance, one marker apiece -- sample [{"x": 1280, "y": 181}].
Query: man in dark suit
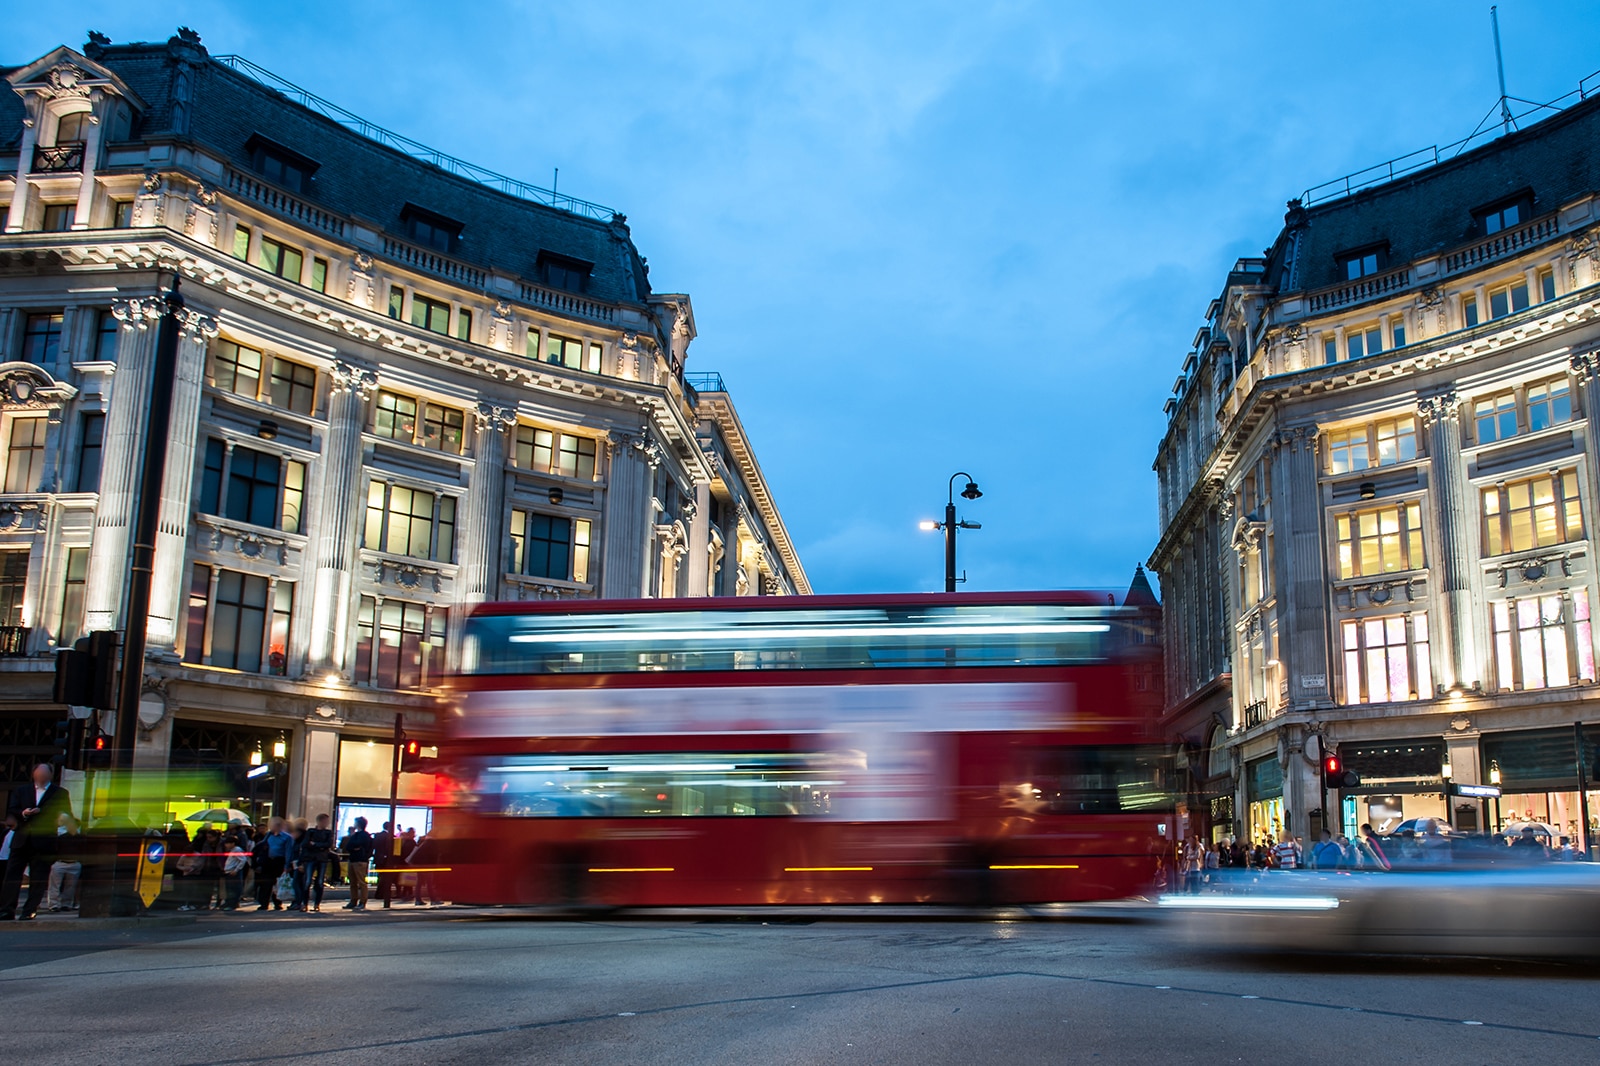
[{"x": 36, "y": 807}]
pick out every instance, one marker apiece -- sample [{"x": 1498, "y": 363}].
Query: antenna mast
[{"x": 1500, "y": 68}]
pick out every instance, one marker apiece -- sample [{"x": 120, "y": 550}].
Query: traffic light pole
[
  {"x": 394, "y": 809},
  {"x": 158, "y": 416}
]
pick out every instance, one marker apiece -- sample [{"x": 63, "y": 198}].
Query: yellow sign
[{"x": 152, "y": 863}]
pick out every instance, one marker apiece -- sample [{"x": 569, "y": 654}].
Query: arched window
[{"x": 73, "y": 128}]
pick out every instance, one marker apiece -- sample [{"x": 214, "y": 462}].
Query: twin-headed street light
[{"x": 950, "y": 525}]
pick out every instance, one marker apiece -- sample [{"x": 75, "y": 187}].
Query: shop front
[
  {"x": 1546, "y": 776},
  {"x": 365, "y": 765},
  {"x": 1264, "y": 795},
  {"x": 1401, "y": 780},
  {"x": 223, "y": 764}
]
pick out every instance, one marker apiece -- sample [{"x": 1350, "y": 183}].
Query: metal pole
[
  {"x": 1583, "y": 792},
  {"x": 1500, "y": 68},
  {"x": 394, "y": 819},
  {"x": 147, "y": 515},
  {"x": 950, "y": 546}
]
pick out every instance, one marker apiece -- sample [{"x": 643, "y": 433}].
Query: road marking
[
  {"x": 628, "y": 1014},
  {"x": 1471, "y": 1023},
  {"x": 1249, "y": 997},
  {"x": 1163, "y": 988}
]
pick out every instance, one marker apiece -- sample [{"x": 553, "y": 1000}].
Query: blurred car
[
  {"x": 1419, "y": 826},
  {"x": 1544, "y": 909},
  {"x": 1546, "y": 832}
]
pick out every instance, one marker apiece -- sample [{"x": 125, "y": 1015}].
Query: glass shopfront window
[{"x": 1264, "y": 790}]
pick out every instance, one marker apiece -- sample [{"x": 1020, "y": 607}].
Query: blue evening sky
[{"x": 920, "y": 237}]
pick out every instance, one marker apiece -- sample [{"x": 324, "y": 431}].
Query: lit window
[
  {"x": 1543, "y": 641},
  {"x": 439, "y": 427},
  {"x": 1381, "y": 541},
  {"x": 1533, "y": 513},
  {"x": 407, "y": 521},
  {"x": 13, "y": 585},
  {"x": 442, "y": 428},
  {"x": 319, "y": 274},
  {"x": 25, "y": 454},
  {"x": 430, "y": 314},
  {"x": 1496, "y": 417},
  {"x": 549, "y": 452},
  {"x": 241, "y": 242},
  {"x": 1382, "y": 664},
  {"x": 397, "y": 301},
  {"x": 277, "y": 258},
  {"x": 399, "y": 644},
  {"x": 550, "y": 546},
  {"x": 1383, "y": 443},
  {"x": 575, "y": 354},
  {"x": 72, "y": 597},
  {"x": 239, "y": 370},
  {"x": 463, "y": 325}
]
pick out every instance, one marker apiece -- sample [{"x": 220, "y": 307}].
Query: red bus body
[{"x": 1003, "y": 782}]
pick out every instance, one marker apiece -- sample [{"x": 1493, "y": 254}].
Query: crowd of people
[{"x": 280, "y": 864}]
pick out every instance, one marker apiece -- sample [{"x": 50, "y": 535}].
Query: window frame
[
  {"x": 555, "y": 448},
  {"x": 55, "y": 320},
  {"x": 280, "y": 253},
  {"x": 267, "y": 375},
  {"x": 1371, "y": 444},
  {"x": 1497, "y": 529},
  {"x": 218, "y": 475},
  {"x": 1357, "y": 259},
  {"x": 443, "y": 517},
  {"x": 1357, "y": 657},
  {"x": 577, "y": 546},
  {"x": 1509, "y": 639},
  {"x": 1410, "y": 534},
  {"x": 86, "y": 448},
  {"x": 1520, "y": 410},
  {"x": 19, "y": 480},
  {"x": 205, "y": 610},
  {"x": 433, "y": 630}
]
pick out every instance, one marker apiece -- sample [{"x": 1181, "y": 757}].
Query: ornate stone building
[
  {"x": 405, "y": 385},
  {"x": 1378, "y": 499}
]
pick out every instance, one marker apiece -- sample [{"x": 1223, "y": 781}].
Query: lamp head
[
  {"x": 971, "y": 492},
  {"x": 927, "y": 525}
]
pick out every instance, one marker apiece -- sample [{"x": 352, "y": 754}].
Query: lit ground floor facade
[
  {"x": 1540, "y": 749},
  {"x": 266, "y": 746}
]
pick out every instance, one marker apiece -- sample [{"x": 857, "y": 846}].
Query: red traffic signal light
[
  {"x": 1334, "y": 775},
  {"x": 1332, "y": 767},
  {"x": 413, "y": 760}
]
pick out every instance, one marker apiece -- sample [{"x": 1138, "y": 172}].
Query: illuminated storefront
[
  {"x": 1538, "y": 772},
  {"x": 1264, "y": 788},
  {"x": 1401, "y": 780}
]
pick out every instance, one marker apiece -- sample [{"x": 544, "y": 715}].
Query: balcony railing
[
  {"x": 251, "y": 188},
  {"x": 1360, "y": 290},
  {"x": 14, "y": 641},
  {"x": 1256, "y": 713},
  {"x": 60, "y": 158},
  {"x": 1501, "y": 245},
  {"x": 566, "y": 303},
  {"x": 433, "y": 263},
  {"x": 708, "y": 381}
]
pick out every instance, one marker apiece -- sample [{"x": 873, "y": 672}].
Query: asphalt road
[{"x": 442, "y": 988}]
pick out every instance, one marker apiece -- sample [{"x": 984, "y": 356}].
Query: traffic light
[
  {"x": 414, "y": 758},
  {"x": 1334, "y": 775},
  {"x": 86, "y": 673},
  {"x": 98, "y": 754}
]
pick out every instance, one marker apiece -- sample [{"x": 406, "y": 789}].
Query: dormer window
[
  {"x": 73, "y": 128},
  {"x": 430, "y": 230},
  {"x": 279, "y": 164},
  {"x": 1363, "y": 262},
  {"x": 1506, "y": 214},
  {"x": 563, "y": 272}
]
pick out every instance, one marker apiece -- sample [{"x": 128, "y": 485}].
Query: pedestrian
[
  {"x": 234, "y": 867},
  {"x": 386, "y": 855},
  {"x": 275, "y": 844},
  {"x": 36, "y": 806},
  {"x": 357, "y": 847},
  {"x": 1372, "y": 847},
  {"x": 424, "y": 858},
  {"x": 296, "y": 864},
  {"x": 1528, "y": 846},
  {"x": 1287, "y": 853},
  {"x": 1326, "y": 855},
  {"x": 315, "y": 850},
  {"x": 65, "y": 871},
  {"x": 1435, "y": 846}
]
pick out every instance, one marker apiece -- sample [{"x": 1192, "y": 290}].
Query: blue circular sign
[{"x": 155, "y": 851}]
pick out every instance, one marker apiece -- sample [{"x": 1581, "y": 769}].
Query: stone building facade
[
  {"x": 404, "y": 386},
  {"x": 1378, "y": 493}
]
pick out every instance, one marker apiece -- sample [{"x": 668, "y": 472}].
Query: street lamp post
[{"x": 950, "y": 525}]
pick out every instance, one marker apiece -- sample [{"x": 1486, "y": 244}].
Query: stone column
[
  {"x": 119, "y": 462},
  {"x": 23, "y": 194},
  {"x": 168, "y": 588},
  {"x": 337, "y": 516},
  {"x": 482, "y": 535},
  {"x": 1453, "y": 650},
  {"x": 1301, "y": 571},
  {"x": 91, "y": 159},
  {"x": 628, "y": 524},
  {"x": 1586, "y": 368},
  {"x": 699, "y": 575},
  {"x": 319, "y": 771}
]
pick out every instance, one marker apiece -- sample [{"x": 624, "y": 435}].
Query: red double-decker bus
[{"x": 931, "y": 748}]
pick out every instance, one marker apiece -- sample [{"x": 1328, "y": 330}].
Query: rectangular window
[
  {"x": 1397, "y": 332},
  {"x": 443, "y": 428},
  {"x": 1383, "y": 443},
  {"x": 1543, "y": 641},
  {"x": 1381, "y": 541},
  {"x": 41, "y": 337},
  {"x": 1382, "y": 663},
  {"x": 72, "y": 597},
  {"x": 407, "y": 521},
  {"x": 1469, "y": 310},
  {"x": 1549, "y": 404},
  {"x": 291, "y": 510},
  {"x": 1360, "y": 265},
  {"x": 1547, "y": 285},
  {"x": 463, "y": 325},
  {"x": 241, "y": 243},
  {"x": 551, "y": 546},
  {"x": 397, "y": 301},
  {"x": 430, "y": 314},
  {"x": 107, "y": 331},
  {"x": 319, "y": 274},
  {"x": 279, "y": 168},
  {"x": 278, "y": 633},
  {"x": 395, "y": 417},
  {"x": 564, "y": 351},
  {"x": 549, "y": 452},
  {"x": 90, "y": 449},
  {"x": 1533, "y": 513},
  {"x": 1496, "y": 417},
  {"x": 211, "y": 477},
  {"x": 1330, "y": 349},
  {"x": 1502, "y": 218},
  {"x": 1397, "y": 440},
  {"x": 260, "y": 488},
  {"x": 239, "y": 621},
  {"x": 1510, "y": 299},
  {"x": 58, "y": 218},
  {"x": 293, "y": 386},
  {"x": 1366, "y": 340},
  {"x": 194, "y": 639},
  {"x": 278, "y": 258},
  {"x": 25, "y": 454},
  {"x": 399, "y": 644},
  {"x": 121, "y": 214},
  {"x": 236, "y": 369},
  {"x": 13, "y": 586}
]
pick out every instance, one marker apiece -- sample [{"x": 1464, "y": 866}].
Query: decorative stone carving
[
  {"x": 1584, "y": 365},
  {"x": 1441, "y": 407},
  {"x": 151, "y": 183},
  {"x": 139, "y": 312},
  {"x": 1584, "y": 246},
  {"x": 65, "y": 81},
  {"x": 196, "y": 326},
  {"x": 347, "y": 377},
  {"x": 491, "y": 416}
]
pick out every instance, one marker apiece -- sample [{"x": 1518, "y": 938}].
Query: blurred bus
[{"x": 957, "y": 748}]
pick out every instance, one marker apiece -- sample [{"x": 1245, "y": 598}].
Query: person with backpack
[{"x": 358, "y": 847}]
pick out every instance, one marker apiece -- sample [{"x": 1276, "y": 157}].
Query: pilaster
[
  {"x": 1440, "y": 415},
  {"x": 628, "y": 527},
  {"x": 337, "y": 510},
  {"x": 1297, "y": 538},
  {"x": 483, "y": 537}
]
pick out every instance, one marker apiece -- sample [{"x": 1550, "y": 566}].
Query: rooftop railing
[
  {"x": 705, "y": 381},
  {"x": 415, "y": 149},
  {"x": 1422, "y": 158}
]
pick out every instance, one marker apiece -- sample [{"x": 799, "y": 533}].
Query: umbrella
[{"x": 219, "y": 814}]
